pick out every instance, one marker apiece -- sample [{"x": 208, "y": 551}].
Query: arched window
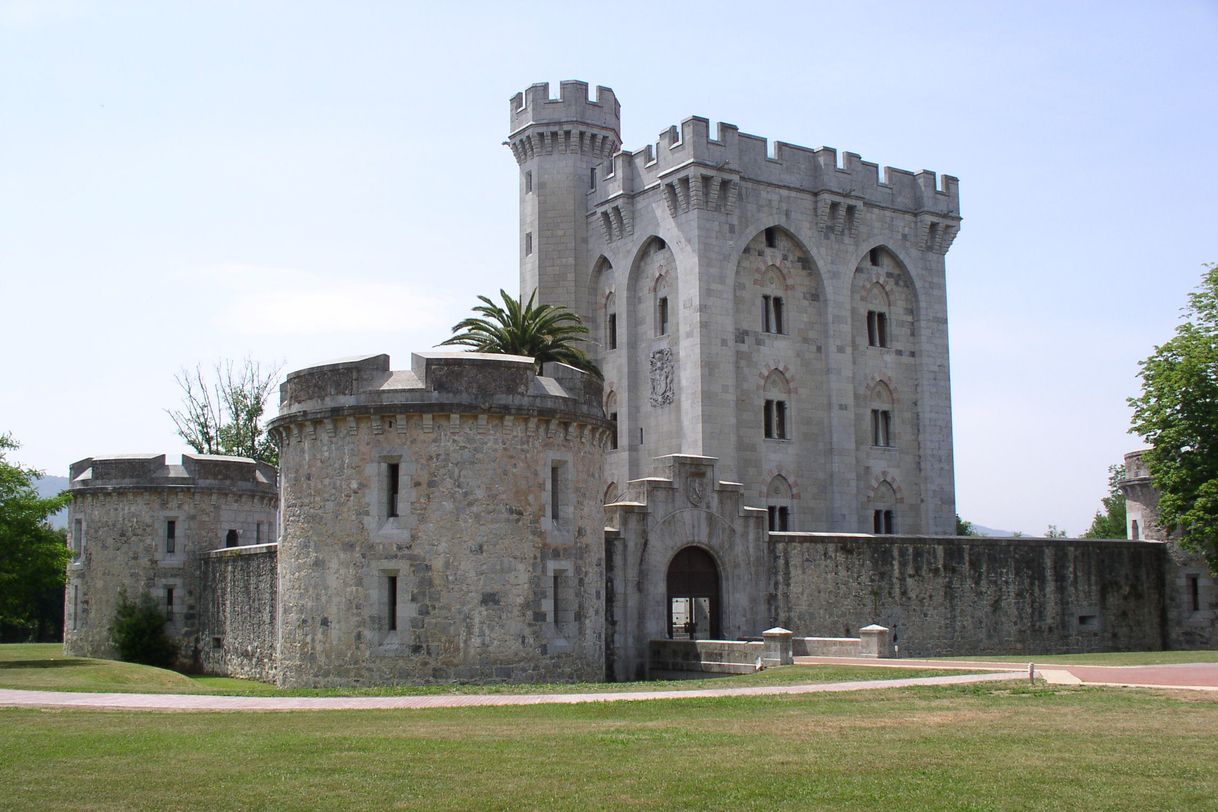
[
  {"x": 877, "y": 316},
  {"x": 773, "y": 302},
  {"x": 1135, "y": 532},
  {"x": 775, "y": 417},
  {"x": 881, "y": 415},
  {"x": 778, "y": 504},
  {"x": 611, "y": 494},
  {"x": 883, "y": 514}
]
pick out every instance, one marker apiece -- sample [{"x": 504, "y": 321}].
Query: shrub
[{"x": 138, "y": 632}]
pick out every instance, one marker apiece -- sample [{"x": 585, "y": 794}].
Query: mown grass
[
  {"x": 1103, "y": 658},
  {"x": 955, "y": 748},
  {"x": 43, "y": 667}
]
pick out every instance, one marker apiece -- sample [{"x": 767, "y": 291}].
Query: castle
[{"x": 770, "y": 446}]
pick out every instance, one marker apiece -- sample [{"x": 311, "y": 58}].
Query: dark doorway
[
  {"x": 230, "y": 539},
  {"x": 693, "y": 596}
]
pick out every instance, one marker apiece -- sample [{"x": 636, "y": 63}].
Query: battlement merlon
[
  {"x": 440, "y": 382},
  {"x": 151, "y": 471},
  {"x": 691, "y": 148},
  {"x": 573, "y": 105}
]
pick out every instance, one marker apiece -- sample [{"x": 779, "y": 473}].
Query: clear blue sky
[{"x": 185, "y": 182}]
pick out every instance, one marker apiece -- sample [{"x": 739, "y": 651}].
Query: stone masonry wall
[
  {"x": 237, "y": 612},
  {"x": 943, "y": 596}
]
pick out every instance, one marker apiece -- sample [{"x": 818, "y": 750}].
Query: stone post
[
  {"x": 777, "y": 647},
  {"x": 875, "y": 641}
]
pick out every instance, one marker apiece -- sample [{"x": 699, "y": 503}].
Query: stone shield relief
[{"x": 661, "y": 377}]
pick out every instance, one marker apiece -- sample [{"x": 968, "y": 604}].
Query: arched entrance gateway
[{"x": 693, "y": 596}]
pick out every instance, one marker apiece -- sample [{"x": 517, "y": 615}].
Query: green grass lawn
[
  {"x": 1105, "y": 658},
  {"x": 993, "y": 747},
  {"x": 43, "y": 667}
]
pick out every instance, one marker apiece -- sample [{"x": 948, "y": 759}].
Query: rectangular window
[
  {"x": 391, "y": 602},
  {"x": 78, "y": 537},
  {"x": 613, "y": 433},
  {"x": 393, "y": 484},
  {"x": 1194, "y": 593},
  {"x": 882, "y": 522},
  {"x": 258, "y": 533},
  {"x": 779, "y": 518},
  {"x": 779, "y": 327},
  {"x": 171, "y": 537},
  {"x": 881, "y": 428},
  {"x": 662, "y": 316},
  {"x": 775, "y": 419},
  {"x": 528, "y": 182},
  {"x": 611, "y": 331},
  {"x": 877, "y": 328},
  {"x": 169, "y": 602},
  {"x": 592, "y": 178},
  {"x": 766, "y": 310},
  {"x": 555, "y": 484}
]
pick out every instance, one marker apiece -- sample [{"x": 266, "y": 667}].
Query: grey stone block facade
[
  {"x": 779, "y": 308},
  {"x": 139, "y": 525}
]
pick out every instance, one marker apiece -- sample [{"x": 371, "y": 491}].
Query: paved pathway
[
  {"x": 196, "y": 702},
  {"x": 1191, "y": 676}
]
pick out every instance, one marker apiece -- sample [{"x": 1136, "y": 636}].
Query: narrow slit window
[
  {"x": 393, "y": 486},
  {"x": 258, "y": 533},
  {"x": 169, "y": 602},
  {"x": 662, "y": 316},
  {"x": 1135, "y": 532},
  {"x": 78, "y": 536},
  {"x": 528, "y": 182},
  {"x": 391, "y": 602},
  {"x": 528, "y": 243},
  {"x": 613, "y": 431},
  {"x": 555, "y": 483},
  {"x": 592, "y": 178},
  {"x": 171, "y": 537},
  {"x": 779, "y": 327},
  {"x": 1194, "y": 593},
  {"x": 766, "y": 310},
  {"x": 771, "y": 238},
  {"x": 75, "y": 607},
  {"x": 611, "y": 331}
]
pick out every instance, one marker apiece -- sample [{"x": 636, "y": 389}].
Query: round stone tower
[
  {"x": 138, "y": 525},
  {"x": 559, "y": 145},
  {"x": 441, "y": 523}
]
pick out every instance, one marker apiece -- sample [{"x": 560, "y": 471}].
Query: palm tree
[{"x": 544, "y": 332}]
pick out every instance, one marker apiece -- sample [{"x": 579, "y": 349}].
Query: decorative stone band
[{"x": 451, "y": 392}]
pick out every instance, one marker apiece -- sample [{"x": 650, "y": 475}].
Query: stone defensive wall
[
  {"x": 140, "y": 525},
  {"x": 436, "y": 526},
  {"x": 941, "y": 596},
  {"x": 237, "y": 615}
]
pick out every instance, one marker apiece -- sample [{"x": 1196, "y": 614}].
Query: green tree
[
  {"x": 544, "y": 332},
  {"x": 963, "y": 527},
  {"x": 33, "y": 555},
  {"x": 1177, "y": 416},
  {"x": 224, "y": 414},
  {"x": 1109, "y": 522},
  {"x": 138, "y": 632}
]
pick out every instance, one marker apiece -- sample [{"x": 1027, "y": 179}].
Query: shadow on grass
[{"x": 66, "y": 663}]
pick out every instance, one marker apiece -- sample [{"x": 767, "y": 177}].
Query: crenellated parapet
[
  {"x": 571, "y": 124},
  {"x": 696, "y": 170},
  {"x": 199, "y": 471}
]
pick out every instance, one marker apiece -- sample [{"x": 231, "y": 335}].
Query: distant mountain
[
  {"x": 982, "y": 530},
  {"x": 50, "y": 486}
]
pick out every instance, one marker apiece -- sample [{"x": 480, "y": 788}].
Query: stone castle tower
[{"x": 783, "y": 310}]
